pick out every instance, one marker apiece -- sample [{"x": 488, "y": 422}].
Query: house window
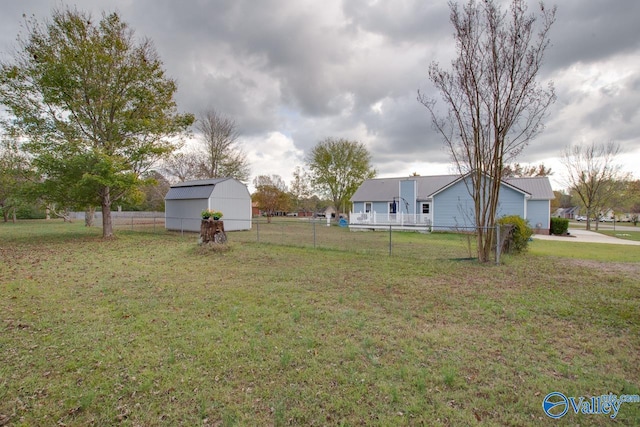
[
  {"x": 367, "y": 207},
  {"x": 425, "y": 208}
]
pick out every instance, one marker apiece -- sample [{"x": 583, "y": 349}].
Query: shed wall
[
  {"x": 229, "y": 196},
  {"x": 184, "y": 215},
  {"x": 233, "y": 199}
]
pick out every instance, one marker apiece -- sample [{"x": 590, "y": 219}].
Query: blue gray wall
[
  {"x": 453, "y": 207},
  {"x": 538, "y": 213},
  {"x": 408, "y": 195}
]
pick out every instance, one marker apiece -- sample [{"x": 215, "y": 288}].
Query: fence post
[
  {"x": 498, "y": 244},
  {"x": 258, "y": 230},
  {"x": 390, "y": 239},
  {"x": 314, "y": 234}
]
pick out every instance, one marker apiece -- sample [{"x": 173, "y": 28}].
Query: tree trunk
[
  {"x": 89, "y": 216},
  {"x": 107, "y": 228}
]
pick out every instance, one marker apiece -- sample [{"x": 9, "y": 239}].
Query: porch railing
[{"x": 397, "y": 219}]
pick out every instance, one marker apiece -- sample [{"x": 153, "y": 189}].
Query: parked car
[{"x": 581, "y": 218}]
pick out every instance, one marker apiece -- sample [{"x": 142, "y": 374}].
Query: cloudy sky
[{"x": 293, "y": 72}]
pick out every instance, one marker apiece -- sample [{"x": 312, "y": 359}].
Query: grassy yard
[
  {"x": 624, "y": 234},
  {"x": 150, "y": 329}
]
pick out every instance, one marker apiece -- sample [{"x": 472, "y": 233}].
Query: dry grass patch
[{"x": 148, "y": 329}]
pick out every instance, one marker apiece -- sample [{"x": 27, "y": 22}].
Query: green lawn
[
  {"x": 150, "y": 329},
  {"x": 622, "y": 234}
]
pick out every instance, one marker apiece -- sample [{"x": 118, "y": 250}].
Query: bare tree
[
  {"x": 182, "y": 166},
  {"x": 300, "y": 190},
  {"x": 220, "y": 155},
  {"x": 593, "y": 175},
  {"x": 494, "y": 104},
  {"x": 516, "y": 170}
]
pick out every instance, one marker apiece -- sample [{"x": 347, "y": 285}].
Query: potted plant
[{"x": 210, "y": 213}]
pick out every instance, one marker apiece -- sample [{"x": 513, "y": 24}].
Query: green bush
[
  {"x": 559, "y": 226},
  {"x": 514, "y": 234}
]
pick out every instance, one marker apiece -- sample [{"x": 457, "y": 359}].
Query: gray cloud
[{"x": 309, "y": 70}]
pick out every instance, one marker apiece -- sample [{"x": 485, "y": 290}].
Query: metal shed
[{"x": 185, "y": 201}]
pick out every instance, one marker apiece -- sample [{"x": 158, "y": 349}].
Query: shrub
[
  {"x": 559, "y": 226},
  {"x": 514, "y": 234}
]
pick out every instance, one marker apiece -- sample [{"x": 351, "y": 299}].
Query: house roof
[
  {"x": 538, "y": 186},
  {"x": 200, "y": 189},
  {"x": 387, "y": 188},
  {"x": 383, "y": 189}
]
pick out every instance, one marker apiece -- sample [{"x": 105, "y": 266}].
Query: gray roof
[
  {"x": 383, "y": 189},
  {"x": 200, "y": 189},
  {"x": 200, "y": 182},
  {"x": 538, "y": 186},
  {"x": 379, "y": 189}
]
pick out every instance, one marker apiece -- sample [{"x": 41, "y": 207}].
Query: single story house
[
  {"x": 443, "y": 202},
  {"x": 185, "y": 202},
  {"x": 567, "y": 213}
]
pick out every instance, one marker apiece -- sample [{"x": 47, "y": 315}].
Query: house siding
[
  {"x": 454, "y": 206},
  {"x": 407, "y": 197},
  {"x": 450, "y": 204},
  {"x": 538, "y": 214},
  {"x": 510, "y": 202}
]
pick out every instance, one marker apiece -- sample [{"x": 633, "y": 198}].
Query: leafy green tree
[
  {"x": 14, "y": 175},
  {"x": 270, "y": 195},
  {"x": 94, "y": 104},
  {"x": 338, "y": 167}
]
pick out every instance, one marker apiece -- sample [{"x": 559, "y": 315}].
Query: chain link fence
[{"x": 456, "y": 244}]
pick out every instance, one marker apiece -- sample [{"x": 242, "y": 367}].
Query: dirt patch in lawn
[{"x": 628, "y": 269}]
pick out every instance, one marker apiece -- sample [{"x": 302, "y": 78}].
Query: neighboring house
[
  {"x": 185, "y": 201},
  {"x": 329, "y": 212},
  {"x": 568, "y": 213},
  {"x": 443, "y": 202}
]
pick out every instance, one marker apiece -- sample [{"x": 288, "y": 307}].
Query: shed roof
[
  {"x": 200, "y": 182},
  {"x": 383, "y": 189},
  {"x": 200, "y": 189}
]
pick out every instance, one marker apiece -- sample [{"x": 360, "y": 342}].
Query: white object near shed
[{"x": 185, "y": 201}]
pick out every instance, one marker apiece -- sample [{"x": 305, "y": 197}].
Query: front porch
[{"x": 397, "y": 221}]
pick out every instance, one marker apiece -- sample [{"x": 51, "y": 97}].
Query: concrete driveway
[{"x": 584, "y": 236}]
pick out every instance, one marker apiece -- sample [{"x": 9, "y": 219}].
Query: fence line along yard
[{"x": 315, "y": 233}]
